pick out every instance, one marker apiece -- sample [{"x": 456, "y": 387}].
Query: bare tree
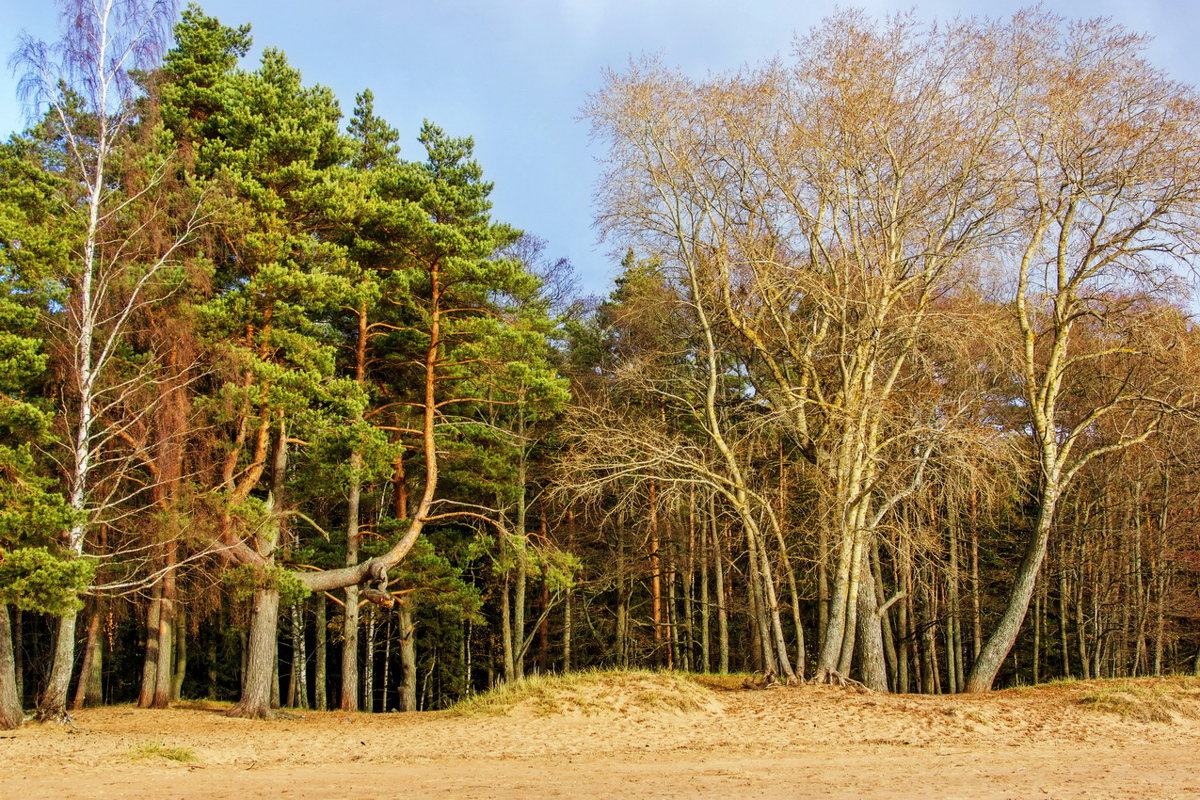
[
  {"x": 1104, "y": 170},
  {"x": 817, "y": 211}
]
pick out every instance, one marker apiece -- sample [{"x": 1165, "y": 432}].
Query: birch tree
[{"x": 84, "y": 85}]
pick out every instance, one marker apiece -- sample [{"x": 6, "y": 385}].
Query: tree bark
[
  {"x": 408, "y": 660},
  {"x": 349, "y": 696},
  {"x": 11, "y": 714},
  {"x": 181, "y": 654},
  {"x": 150, "y": 659},
  {"x": 89, "y": 678},
  {"x": 998, "y": 645},
  {"x": 319, "y": 668},
  {"x": 164, "y": 671},
  {"x": 870, "y": 635},
  {"x": 257, "y": 698}
]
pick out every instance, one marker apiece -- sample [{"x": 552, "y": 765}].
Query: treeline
[{"x": 895, "y": 386}]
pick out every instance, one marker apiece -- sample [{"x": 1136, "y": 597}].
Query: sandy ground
[{"x": 818, "y": 742}]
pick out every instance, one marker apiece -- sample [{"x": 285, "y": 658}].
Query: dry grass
[
  {"x": 1160, "y": 700},
  {"x": 592, "y": 693},
  {"x": 157, "y": 749}
]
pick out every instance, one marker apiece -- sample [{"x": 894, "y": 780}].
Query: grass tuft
[{"x": 183, "y": 755}]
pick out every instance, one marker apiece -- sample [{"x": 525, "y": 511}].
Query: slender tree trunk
[
  {"x": 722, "y": 603},
  {"x": 349, "y": 696},
  {"x": 18, "y": 642},
  {"x": 976, "y": 617},
  {"x": 543, "y": 658},
  {"x": 368, "y": 703},
  {"x": 954, "y": 644},
  {"x": 1037, "y": 636},
  {"x": 705, "y": 600},
  {"x": 568, "y": 625},
  {"x": 388, "y": 635},
  {"x": 656, "y": 601},
  {"x": 889, "y": 639},
  {"x": 1062, "y": 621},
  {"x": 299, "y": 678},
  {"x": 670, "y": 617},
  {"x": 983, "y": 672},
  {"x": 506, "y": 632},
  {"x": 688, "y": 579},
  {"x": 408, "y": 660},
  {"x": 522, "y": 544},
  {"x": 181, "y": 654},
  {"x": 276, "y": 702},
  {"x": 88, "y": 673},
  {"x": 904, "y": 620},
  {"x": 320, "y": 678}
]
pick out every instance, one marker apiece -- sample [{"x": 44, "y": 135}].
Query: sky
[{"x": 514, "y": 74}]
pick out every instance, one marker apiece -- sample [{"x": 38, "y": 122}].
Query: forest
[{"x": 895, "y": 386}]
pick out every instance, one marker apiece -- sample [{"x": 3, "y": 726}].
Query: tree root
[
  {"x": 63, "y": 718},
  {"x": 270, "y": 714},
  {"x": 834, "y": 678},
  {"x": 767, "y": 681}
]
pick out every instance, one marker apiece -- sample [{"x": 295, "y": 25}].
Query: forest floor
[{"x": 641, "y": 735}]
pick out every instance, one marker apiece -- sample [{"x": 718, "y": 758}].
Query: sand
[{"x": 1053, "y": 741}]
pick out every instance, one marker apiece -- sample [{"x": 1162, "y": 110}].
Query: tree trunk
[
  {"x": 722, "y": 605},
  {"x": 53, "y": 703},
  {"x": 998, "y": 645},
  {"x": 86, "y": 692},
  {"x": 11, "y": 714},
  {"x": 164, "y": 670},
  {"x": 181, "y": 654},
  {"x": 408, "y": 660},
  {"x": 299, "y": 681},
  {"x": 349, "y": 698},
  {"x": 368, "y": 700},
  {"x": 18, "y": 641},
  {"x": 656, "y": 601},
  {"x": 150, "y": 662},
  {"x": 260, "y": 658},
  {"x": 870, "y": 635},
  {"x": 506, "y": 632},
  {"x": 520, "y": 535},
  {"x": 319, "y": 668},
  {"x": 568, "y": 624},
  {"x": 705, "y": 599},
  {"x": 1062, "y": 622}
]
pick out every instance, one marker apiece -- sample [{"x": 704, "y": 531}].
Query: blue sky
[{"x": 514, "y": 73}]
